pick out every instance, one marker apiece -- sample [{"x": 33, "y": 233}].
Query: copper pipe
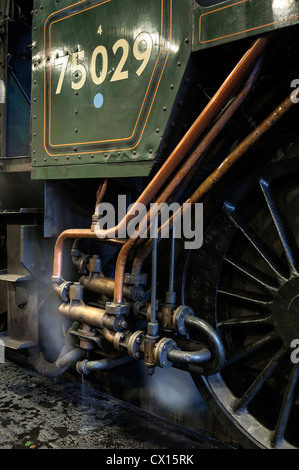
[
  {"x": 74, "y": 233},
  {"x": 220, "y": 171},
  {"x": 207, "y": 141},
  {"x": 198, "y": 127},
  {"x": 101, "y": 193},
  {"x": 120, "y": 269},
  {"x": 192, "y": 135},
  {"x": 242, "y": 148},
  {"x": 181, "y": 174}
]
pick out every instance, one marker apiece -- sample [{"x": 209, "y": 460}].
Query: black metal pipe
[
  {"x": 209, "y": 335},
  {"x": 69, "y": 354},
  {"x": 189, "y": 357},
  {"x": 84, "y": 367},
  {"x": 152, "y": 329}
]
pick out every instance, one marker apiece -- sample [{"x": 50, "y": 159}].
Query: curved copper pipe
[
  {"x": 74, "y": 233},
  {"x": 198, "y": 127},
  {"x": 219, "y": 172},
  {"x": 177, "y": 179}
]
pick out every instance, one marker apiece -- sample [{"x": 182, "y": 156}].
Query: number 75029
[{"x": 142, "y": 49}]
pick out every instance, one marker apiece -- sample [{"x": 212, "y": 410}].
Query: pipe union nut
[{"x": 81, "y": 367}]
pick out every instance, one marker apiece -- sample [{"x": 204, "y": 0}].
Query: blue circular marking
[{"x": 98, "y": 100}]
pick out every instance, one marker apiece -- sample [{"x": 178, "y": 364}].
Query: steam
[
  {"x": 174, "y": 390},
  {"x": 50, "y": 323}
]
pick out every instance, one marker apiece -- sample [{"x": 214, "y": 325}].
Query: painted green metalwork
[
  {"x": 105, "y": 77},
  {"x": 235, "y": 19}
]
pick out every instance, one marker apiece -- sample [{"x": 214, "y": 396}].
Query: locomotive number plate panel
[{"x": 100, "y": 67}]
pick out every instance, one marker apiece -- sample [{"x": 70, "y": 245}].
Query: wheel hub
[{"x": 285, "y": 311}]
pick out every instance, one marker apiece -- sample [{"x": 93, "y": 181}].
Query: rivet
[
  {"x": 171, "y": 86},
  {"x": 179, "y": 64},
  {"x": 45, "y": 159},
  {"x": 92, "y": 155},
  {"x": 76, "y": 130},
  {"x": 164, "y": 109},
  {"x": 76, "y": 111},
  {"x": 157, "y": 130},
  {"x": 75, "y": 149},
  {"x": 134, "y": 152},
  {"x": 34, "y": 160},
  {"x": 150, "y": 151},
  {"x": 56, "y": 159}
]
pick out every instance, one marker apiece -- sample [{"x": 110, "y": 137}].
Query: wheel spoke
[
  {"x": 282, "y": 227},
  {"x": 259, "y": 278},
  {"x": 271, "y": 259},
  {"x": 254, "y": 299},
  {"x": 253, "y": 320},
  {"x": 260, "y": 380},
  {"x": 253, "y": 347},
  {"x": 286, "y": 406}
]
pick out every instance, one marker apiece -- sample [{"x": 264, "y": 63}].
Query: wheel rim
[{"x": 251, "y": 296}]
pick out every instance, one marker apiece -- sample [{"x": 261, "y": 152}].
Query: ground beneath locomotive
[{"x": 41, "y": 413}]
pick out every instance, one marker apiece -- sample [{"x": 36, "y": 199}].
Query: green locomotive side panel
[
  {"x": 225, "y": 21},
  {"x": 105, "y": 78}
]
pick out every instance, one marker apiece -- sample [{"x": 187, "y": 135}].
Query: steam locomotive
[{"x": 110, "y": 107}]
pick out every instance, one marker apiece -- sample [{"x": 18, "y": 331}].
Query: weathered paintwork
[
  {"x": 235, "y": 19},
  {"x": 105, "y": 77}
]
